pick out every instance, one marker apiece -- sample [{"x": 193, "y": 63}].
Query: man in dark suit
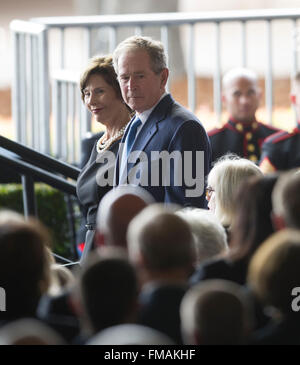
[
  {"x": 242, "y": 134},
  {"x": 165, "y": 148}
]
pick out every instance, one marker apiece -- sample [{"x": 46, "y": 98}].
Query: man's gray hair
[
  {"x": 154, "y": 49},
  {"x": 209, "y": 234}
]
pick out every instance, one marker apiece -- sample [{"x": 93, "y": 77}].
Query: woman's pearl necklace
[{"x": 104, "y": 145}]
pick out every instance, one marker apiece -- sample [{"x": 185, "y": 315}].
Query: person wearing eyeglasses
[
  {"x": 223, "y": 183},
  {"x": 250, "y": 226}
]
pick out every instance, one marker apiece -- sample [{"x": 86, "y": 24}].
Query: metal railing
[
  {"x": 35, "y": 166},
  {"x": 31, "y": 89}
]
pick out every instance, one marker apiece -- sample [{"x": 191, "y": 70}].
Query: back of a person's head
[
  {"x": 274, "y": 270},
  {"x": 226, "y": 177},
  {"x": 253, "y": 223},
  {"x": 24, "y": 265},
  {"x": 116, "y": 210},
  {"x": 108, "y": 292},
  {"x": 286, "y": 198},
  {"x": 130, "y": 334},
  {"x": 209, "y": 235},
  {"x": 163, "y": 239},
  {"x": 215, "y": 312},
  {"x": 29, "y": 332}
]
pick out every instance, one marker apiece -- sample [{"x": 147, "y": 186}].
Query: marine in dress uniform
[
  {"x": 281, "y": 151},
  {"x": 242, "y": 134},
  {"x": 244, "y": 139}
]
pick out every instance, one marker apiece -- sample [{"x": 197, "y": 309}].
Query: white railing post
[
  {"x": 269, "y": 75},
  {"x": 244, "y": 44},
  {"x": 16, "y": 87},
  {"x": 164, "y": 36},
  {"x": 44, "y": 90},
  {"x": 217, "y": 76},
  {"x": 191, "y": 69}
]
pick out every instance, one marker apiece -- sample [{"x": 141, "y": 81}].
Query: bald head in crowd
[
  {"x": 241, "y": 94},
  {"x": 161, "y": 244},
  {"x": 116, "y": 210}
]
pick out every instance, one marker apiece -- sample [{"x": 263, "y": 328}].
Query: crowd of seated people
[{"x": 173, "y": 279}]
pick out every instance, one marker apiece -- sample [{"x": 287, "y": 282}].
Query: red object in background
[{"x": 80, "y": 247}]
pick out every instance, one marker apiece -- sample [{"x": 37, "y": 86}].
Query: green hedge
[{"x": 51, "y": 210}]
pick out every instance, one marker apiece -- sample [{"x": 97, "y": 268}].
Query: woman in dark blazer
[{"x": 101, "y": 95}]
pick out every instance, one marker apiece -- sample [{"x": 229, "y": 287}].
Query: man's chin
[
  {"x": 245, "y": 119},
  {"x": 136, "y": 107}
]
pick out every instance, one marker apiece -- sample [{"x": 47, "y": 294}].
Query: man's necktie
[{"x": 131, "y": 136}]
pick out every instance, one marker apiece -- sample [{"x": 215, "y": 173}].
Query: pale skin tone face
[
  {"x": 141, "y": 87},
  {"x": 211, "y": 199},
  {"x": 102, "y": 101},
  {"x": 241, "y": 97}
]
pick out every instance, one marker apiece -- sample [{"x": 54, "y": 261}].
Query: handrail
[
  {"x": 167, "y": 18},
  {"x": 37, "y": 168},
  {"x": 22, "y": 26},
  {"x": 39, "y": 159},
  {"x": 26, "y": 168}
]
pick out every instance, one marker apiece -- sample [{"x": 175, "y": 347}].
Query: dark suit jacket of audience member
[
  {"x": 282, "y": 332},
  {"x": 235, "y": 271},
  {"x": 56, "y": 311},
  {"x": 159, "y": 309},
  {"x": 222, "y": 269}
]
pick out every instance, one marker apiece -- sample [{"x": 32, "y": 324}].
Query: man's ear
[{"x": 164, "y": 77}]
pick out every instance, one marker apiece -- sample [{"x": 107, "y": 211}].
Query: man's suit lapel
[
  {"x": 151, "y": 126},
  {"x": 146, "y": 134}
]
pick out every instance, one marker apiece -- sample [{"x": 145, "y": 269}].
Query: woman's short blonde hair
[
  {"x": 103, "y": 66},
  {"x": 225, "y": 178}
]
